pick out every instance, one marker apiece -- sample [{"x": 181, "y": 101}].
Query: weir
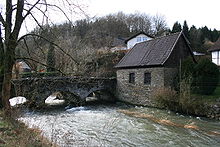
[{"x": 73, "y": 89}]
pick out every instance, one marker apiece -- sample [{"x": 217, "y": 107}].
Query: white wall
[
  {"x": 137, "y": 39},
  {"x": 215, "y": 57}
]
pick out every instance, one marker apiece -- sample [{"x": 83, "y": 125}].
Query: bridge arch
[{"x": 74, "y": 90}]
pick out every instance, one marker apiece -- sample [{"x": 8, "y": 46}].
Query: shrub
[
  {"x": 205, "y": 77},
  {"x": 186, "y": 71},
  {"x": 166, "y": 98},
  {"x": 187, "y": 68}
]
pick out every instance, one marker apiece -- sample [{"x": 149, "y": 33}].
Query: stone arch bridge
[{"x": 73, "y": 89}]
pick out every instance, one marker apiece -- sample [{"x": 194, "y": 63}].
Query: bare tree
[
  {"x": 139, "y": 22},
  {"x": 159, "y": 24},
  {"x": 17, "y": 12}
]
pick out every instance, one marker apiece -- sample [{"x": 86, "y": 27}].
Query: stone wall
[
  {"x": 72, "y": 88},
  {"x": 140, "y": 93},
  {"x": 170, "y": 77}
]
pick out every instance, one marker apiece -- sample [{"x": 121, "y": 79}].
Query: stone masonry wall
[
  {"x": 170, "y": 77},
  {"x": 140, "y": 93}
]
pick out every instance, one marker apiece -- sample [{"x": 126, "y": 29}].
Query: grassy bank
[
  {"x": 16, "y": 134},
  {"x": 189, "y": 103},
  {"x": 211, "y": 99}
]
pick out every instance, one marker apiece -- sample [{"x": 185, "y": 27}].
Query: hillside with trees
[
  {"x": 71, "y": 47},
  {"x": 74, "y": 47},
  {"x": 78, "y": 44}
]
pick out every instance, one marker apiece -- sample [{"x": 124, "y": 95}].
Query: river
[{"x": 109, "y": 126}]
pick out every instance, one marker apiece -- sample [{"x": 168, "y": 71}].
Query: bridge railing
[{"x": 57, "y": 74}]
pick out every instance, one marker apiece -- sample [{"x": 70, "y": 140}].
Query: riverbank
[
  {"x": 208, "y": 106},
  {"x": 15, "y": 133}
]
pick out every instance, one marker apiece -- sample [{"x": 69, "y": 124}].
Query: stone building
[{"x": 150, "y": 65}]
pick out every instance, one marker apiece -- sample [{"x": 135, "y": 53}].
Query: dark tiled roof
[
  {"x": 216, "y": 46},
  {"x": 137, "y": 35},
  {"x": 150, "y": 53}
]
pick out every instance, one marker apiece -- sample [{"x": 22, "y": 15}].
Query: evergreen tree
[
  {"x": 51, "y": 59},
  {"x": 205, "y": 77},
  {"x": 196, "y": 39},
  {"x": 214, "y": 35},
  {"x": 176, "y": 27},
  {"x": 186, "y": 29},
  {"x": 206, "y": 33}
]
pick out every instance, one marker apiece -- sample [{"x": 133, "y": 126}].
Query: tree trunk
[
  {"x": 1, "y": 65},
  {"x": 6, "y": 93},
  {"x": 8, "y": 64}
]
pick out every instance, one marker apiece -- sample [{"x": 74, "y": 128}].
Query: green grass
[{"x": 209, "y": 98}]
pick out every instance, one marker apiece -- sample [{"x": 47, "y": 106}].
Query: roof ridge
[{"x": 168, "y": 35}]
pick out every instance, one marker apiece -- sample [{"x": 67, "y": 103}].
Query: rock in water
[
  {"x": 52, "y": 100},
  {"x": 17, "y": 100}
]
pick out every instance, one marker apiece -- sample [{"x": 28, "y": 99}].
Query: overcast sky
[{"x": 196, "y": 12}]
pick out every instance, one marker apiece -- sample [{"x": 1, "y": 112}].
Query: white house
[
  {"x": 215, "y": 52},
  {"x": 137, "y": 38}
]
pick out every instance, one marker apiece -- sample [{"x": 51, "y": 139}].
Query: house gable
[{"x": 180, "y": 51}]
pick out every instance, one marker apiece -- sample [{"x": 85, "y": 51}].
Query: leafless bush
[
  {"x": 188, "y": 103},
  {"x": 166, "y": 98}
]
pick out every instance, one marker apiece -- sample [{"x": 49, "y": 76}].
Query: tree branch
[
  {"x": 43, "y": 12},
  {"x": 51, "y": 43},
  {"x": 8, "y": 22},
  {"x": 31, "y": 59},
  {"x": 28, "y": 11},
  {"x": 19, "y": 18},
  {"x": 46, "y": 4},
  {"x": 2, "y": 20}
]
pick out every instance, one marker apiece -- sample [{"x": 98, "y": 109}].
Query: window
[
  {"x": 147, "y": 78},
  {"x": 131, "y": 78},
  {"x": 216, "y": 57},
  {"x": 138, "y": 39},
  {"x": 144, "y": 38}
]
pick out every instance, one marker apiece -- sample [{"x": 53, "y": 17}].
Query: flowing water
[{"x": 106, "y": 126}]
